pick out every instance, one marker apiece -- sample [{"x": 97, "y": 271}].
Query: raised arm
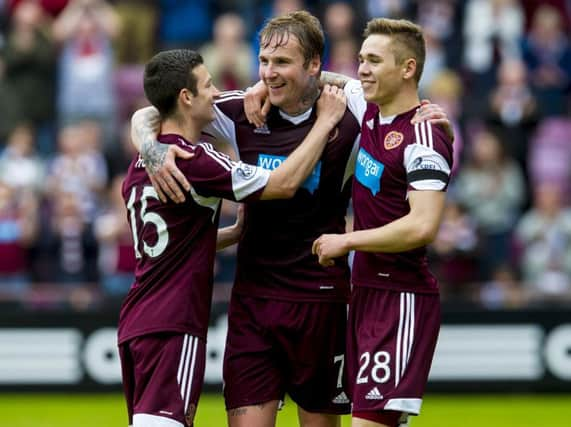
[
  {"x": 286, "y": 179},
  {"x": 417, "y": 228}
]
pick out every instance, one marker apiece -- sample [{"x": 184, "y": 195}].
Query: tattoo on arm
[
  {"x": 153, "y": 154},
  {"x": 334, "y": 79},
  {"x": 237, "y": 412}
]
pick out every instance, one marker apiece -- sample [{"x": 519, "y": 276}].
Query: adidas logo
[
  {"x": 264, "y": 130},
  {"x": 370, "y": 123},
  {"x": 374, "y": 394},
  {"x": 341, "y": 398}
]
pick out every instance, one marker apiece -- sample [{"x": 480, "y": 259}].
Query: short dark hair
[
  {"x": 166, "y": 74},
  {"x": 303, "y": 25},
  {"x": 407, "y": 40}
]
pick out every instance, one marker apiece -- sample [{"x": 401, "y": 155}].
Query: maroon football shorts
[
  {"x": 162, "y": 378},
  {"x": 277, "y": 347},
  {"x": 391, "y": 338}
]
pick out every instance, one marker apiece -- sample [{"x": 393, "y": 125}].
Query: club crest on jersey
[
  {"x": 245, "y": 170},
  {"x": 271, "y": 162},
  {"x": 393, "y": 140}
]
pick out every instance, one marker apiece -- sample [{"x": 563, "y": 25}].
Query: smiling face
[
  {"x": 283, "y": 71},
  {"x": 203, "y": 102},
  {"x": 380, "y": 74}
]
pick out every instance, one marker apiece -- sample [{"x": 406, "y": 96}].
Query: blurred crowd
[{"x": 71, "y": 76}]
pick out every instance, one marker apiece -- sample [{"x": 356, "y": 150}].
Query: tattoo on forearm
[
  {"x": 153, "y": 154},
  {"x": 334, "y": 79}
]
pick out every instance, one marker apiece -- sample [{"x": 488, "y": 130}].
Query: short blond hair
[
  {"x": 301, "y": 24},
  {"x": 407, "y": 40}
]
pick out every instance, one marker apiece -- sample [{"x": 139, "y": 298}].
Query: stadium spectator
[
  {"x": 513, "y": 112},
  {"x": 503, "y": 290},
  {"x": 228, "y": 57},
  {"x": 401, "y": 174},
  {"x": 547, "y": 53},
  {"x": 492, "y": 187},
  {"x": 85, "y": 30},
  {"x": 67, "y": 252},
  {"x": 27, "y": 75},
  {"x": 342, "y": 45},
  {"x": 18, "y": 232},
  {"x": 389, "y": 8},
  {"x": 115, "y": 241},
  {"x": 454, "y": 253},
  {"x": 550, "y": 155},
  {"x": 78, "y": 167},
  {"x": 20, "y": 165},
  {"x": 278, "y": 275},
  {"x": 136, "y": 42},
  {"x": 446, "y": 90},
  {"x": 175, "y": 267},
  {"x": 544, "y": 235},
  {"x": 492, "y": 32}
]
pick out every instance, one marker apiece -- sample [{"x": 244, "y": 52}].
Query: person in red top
[
  {"x": 401, "y": 174},
  {"x": 164, "y": 318}
]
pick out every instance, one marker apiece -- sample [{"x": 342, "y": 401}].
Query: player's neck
[
  {"x": 188, "y": 130},
  {"x": 307, "y": 100},
  {"x": 404, "y": 101}
]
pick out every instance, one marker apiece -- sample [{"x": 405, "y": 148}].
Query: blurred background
[{"x": 71, "y": 76}]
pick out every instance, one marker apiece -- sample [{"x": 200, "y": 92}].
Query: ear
[
  {"x": 409, "y": 68},
  {"x": 314, "y": 66},
  {"x": 185, "y": 97}
]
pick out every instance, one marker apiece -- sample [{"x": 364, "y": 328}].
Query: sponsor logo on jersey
[
  {"x": 264, "y": 130},
  {"x": 374, "y": 394},
  {"x": 423, "y": 163},
  {"x": 368, "y": 171},
  {"x": 393, "y": 140},
  {"x": 271, "y": 162},
  {"x": 245, "y": 170}
]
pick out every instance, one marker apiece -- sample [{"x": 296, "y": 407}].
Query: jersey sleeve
[
  {"x": 214, "y": 174},
  {"x": 355, "y": 99},
  {"x": 223, "y": 126},
  {"x": 428, "y": 161}
]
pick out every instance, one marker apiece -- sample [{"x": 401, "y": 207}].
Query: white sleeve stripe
[
  {"x": 221, "y": 156},
  {"x": 417, "y": 133},
  {"x": 230, "y": 98},
  {"x": 429, "y": 130},
  {"x": 222, "y": 161},
  {"x": 423, "y": 134},
  {"x": 228, "y": 93}
]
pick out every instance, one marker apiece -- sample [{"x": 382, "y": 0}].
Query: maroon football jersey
[
  {"x": 175, "y": 243},
  {"x": 394, "y": 157},
  {"x": 274, "y": 255}
]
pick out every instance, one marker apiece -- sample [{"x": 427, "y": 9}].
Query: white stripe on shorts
[
  {"x": 186, "y": 397},
  {"x": 405, "y": 335}
]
